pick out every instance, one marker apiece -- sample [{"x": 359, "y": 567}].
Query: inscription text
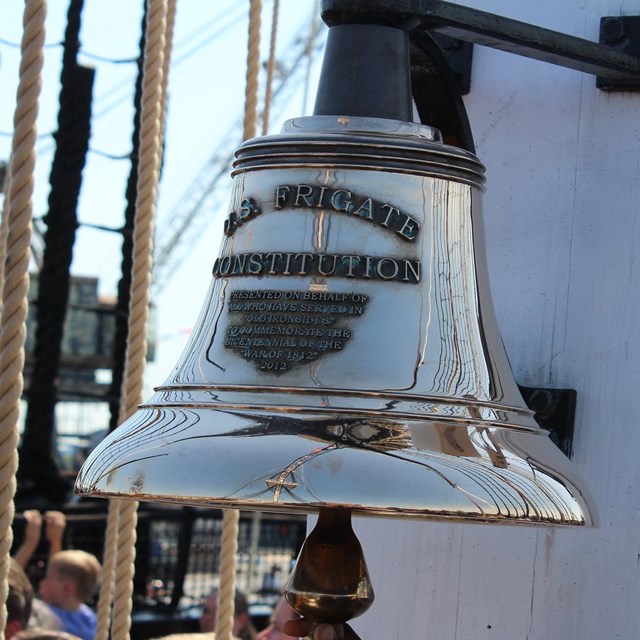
[
  {"x": 318, "y": 264},
  {"x": 279, "y": 329}
]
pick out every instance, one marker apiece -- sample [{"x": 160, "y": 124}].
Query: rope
[
  {"x": 253, "y": 67},
  {"x": 119, "y": 348},
  {"x": 16, "y": 272},
  {"x": 231, "y": 518},
  {"x": 271, "y": 64},
  {"x": 168, "y": 47},
  {"x": 124, "y": 570},
  {"x": 148, "y": 167},
  {"x": 132, "y": 387},
  {"x": 227, "y": 588},
  {"x": 148, "y": 173},
  {"x": 107, "y": 581},
  {"x": 123, "y": 299}
]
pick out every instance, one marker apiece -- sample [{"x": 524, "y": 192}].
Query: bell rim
[
  {"x": 488, "y": 474},
  {"x": 356, "y": 511}
]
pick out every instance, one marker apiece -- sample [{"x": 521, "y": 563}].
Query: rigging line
[
  {"x": 110, "y": 156},
  {"x": 87, "y": 54},
  {"x": 124, "y": 85},
  {"x": 40, "y": 136},
  {"x": 102, "y": 227},
  {"x": 99, "y": 58},
  {"x": 17, "y": 45},
  {"x": 195, "y": 33},
  {"x": 289, "y": 70},
  {"x": 208, "y": 40},
  {"x": 188, "y": 39}
]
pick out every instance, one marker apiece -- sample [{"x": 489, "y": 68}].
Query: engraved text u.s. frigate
[{"x": 305, "y": 196}]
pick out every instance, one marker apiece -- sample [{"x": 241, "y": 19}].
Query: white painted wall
[{"x": 562, "y": 204}]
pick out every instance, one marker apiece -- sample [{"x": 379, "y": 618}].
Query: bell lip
[
  {"x": 524, "y": 493},
  {"x": 356, "y": 510}
]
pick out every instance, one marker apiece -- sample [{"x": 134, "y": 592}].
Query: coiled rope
[{"x": 16, "y": 271}]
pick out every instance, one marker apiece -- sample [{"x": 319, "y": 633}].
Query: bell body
[{"x": 347, "y": 351}]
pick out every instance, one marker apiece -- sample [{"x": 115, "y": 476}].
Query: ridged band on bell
[{"x": 347, "y": 352}]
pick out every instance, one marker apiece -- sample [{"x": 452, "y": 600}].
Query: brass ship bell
[{"x": 347, "y": 354}]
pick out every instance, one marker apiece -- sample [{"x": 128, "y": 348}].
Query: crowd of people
[{"x": 60, "y": 612}]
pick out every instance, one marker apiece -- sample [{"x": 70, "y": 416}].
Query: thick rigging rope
[
  {"x": 121, "y": 530},
  {"x": 105, "y": 597},
  {"x": 253, "y": 69},
  {"x": 16, "y": 272},
  {"x": 168, "y": 47},
  {"x": 231, "y": 518},
  {"x": 271, "y": 65}
]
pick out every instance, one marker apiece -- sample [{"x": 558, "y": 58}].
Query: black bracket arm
[
  {"x": 610, "y": 63},
  {"x": 430, "y": 77}
]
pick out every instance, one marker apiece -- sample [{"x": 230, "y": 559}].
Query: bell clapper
[{"x": 330, "y": 583}]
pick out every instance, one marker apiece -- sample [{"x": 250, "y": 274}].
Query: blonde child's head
[{"x": 72, "y": 577}]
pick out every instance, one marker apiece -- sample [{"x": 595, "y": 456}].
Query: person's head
[
  {"x": 242, "y": 627},
  {"x": 19, "y": 600},
  {"x": 71, "y": 578},
  {"x": 281, "y": 613}
]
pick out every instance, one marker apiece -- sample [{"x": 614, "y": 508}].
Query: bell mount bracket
[{"x": 615, "y": 59}]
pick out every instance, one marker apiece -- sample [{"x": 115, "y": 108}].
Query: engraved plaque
[{"x": 277, "y": 330}]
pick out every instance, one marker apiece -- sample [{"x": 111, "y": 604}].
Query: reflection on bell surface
[
  {"x": 347, "y": 352},
  {"x": 330, "y": 582}
]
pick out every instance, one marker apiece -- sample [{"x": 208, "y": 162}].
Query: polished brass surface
[
  {"x": 330, "y": 582},
  {"x": 347, "y": 352}
]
